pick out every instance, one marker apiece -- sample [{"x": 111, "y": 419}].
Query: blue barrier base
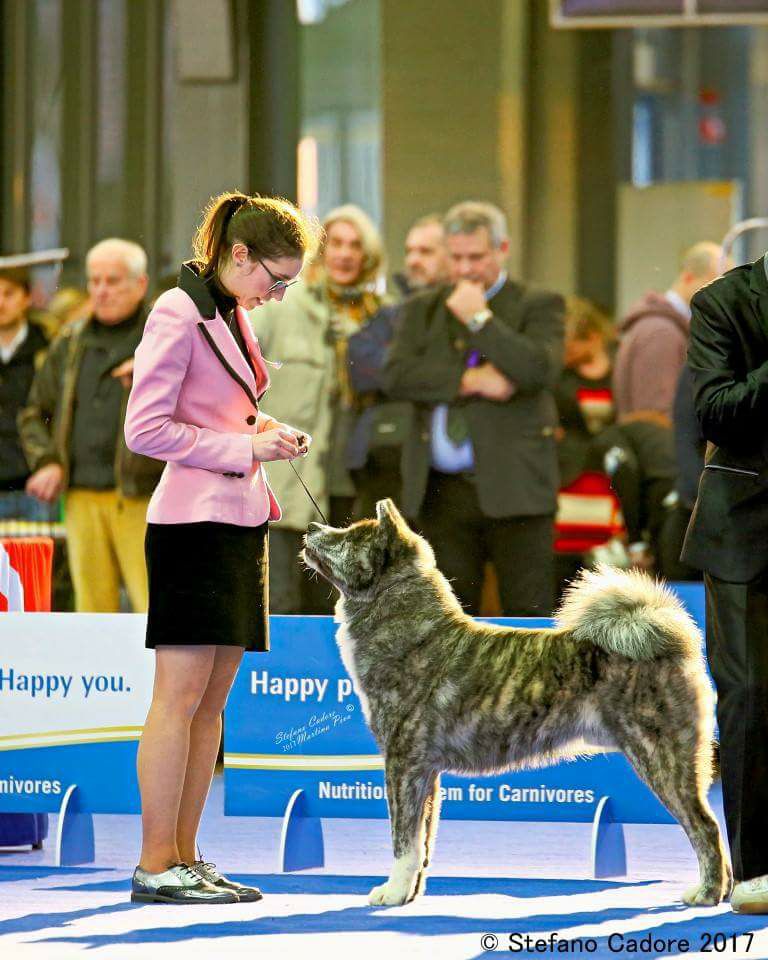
[
  {"x": 609, "y": 850},
  {"x": 74, "y": 838},
  {"x": 301, "y": 840}
]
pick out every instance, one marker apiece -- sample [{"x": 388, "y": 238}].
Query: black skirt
[{"x": 208, "y": 584}]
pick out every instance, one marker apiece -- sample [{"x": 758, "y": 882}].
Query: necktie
[{"x": 456, "y": 426}]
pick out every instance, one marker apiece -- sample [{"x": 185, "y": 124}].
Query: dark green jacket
[
  {"x": 513, "y": 442},
  {"x": 45, "y": 424}
]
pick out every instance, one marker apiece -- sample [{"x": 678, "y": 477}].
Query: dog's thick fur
[{"x": 621, "y": 670}]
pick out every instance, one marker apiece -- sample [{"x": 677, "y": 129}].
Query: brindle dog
[{"x": 621, "y": 670}]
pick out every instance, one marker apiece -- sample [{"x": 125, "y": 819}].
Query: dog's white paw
[
  {"x": 701, "y": 896},
  {"x": 388, "y": 894}
]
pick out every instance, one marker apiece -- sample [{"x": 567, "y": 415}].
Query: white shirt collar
[
  {"x": 678, "y": 303},
  {"x": 493, "y": 290},
  {"x": 7, "y": 350}
]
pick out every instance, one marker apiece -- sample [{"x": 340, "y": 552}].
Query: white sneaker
[{"x": 751, "y": 896}]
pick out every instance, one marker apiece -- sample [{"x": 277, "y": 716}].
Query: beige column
[
  {"x": 453, "y": 113},
  {"x": 550, "y": 257}
]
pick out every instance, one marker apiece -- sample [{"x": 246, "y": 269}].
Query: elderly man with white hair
[{"x": 72, "y": 433}]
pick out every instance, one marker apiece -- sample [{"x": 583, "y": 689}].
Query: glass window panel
[
  {"x": 363, "y": 165},
  {"x": 639, "y": 8},
  {"x": 733, "y": 6},
  {"x": 46, "y": 123},
  {"x": 613, "y": 8},
  {"x": 111, "y": 92},
  {"x": 168, "y": 256},
  {"x": 340, "y": 112},
  {"x": 45, "y": 169}
]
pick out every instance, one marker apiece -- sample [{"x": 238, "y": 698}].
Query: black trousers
[
  {"x": 464, "y": 539},
  {"x": 737, "y": 650}
]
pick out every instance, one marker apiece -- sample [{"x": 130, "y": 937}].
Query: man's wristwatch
[{"x": 476, "y": 322}]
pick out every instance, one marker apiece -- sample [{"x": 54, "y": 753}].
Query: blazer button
[{"x": 250, "y": 420}]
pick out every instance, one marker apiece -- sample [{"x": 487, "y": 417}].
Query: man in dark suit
[
  {"x": 728, "y": 539},
  {"x": 479, "y": 359}
]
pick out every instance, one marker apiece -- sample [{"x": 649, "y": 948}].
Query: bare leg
[
  {"x": 409, "y": 793},
  {"x": 204, "y": 739},
  {"x": 181, "y": 677}
]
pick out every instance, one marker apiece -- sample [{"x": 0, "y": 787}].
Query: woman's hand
[
  {"x": 302, "y": 438},
  {"x": 275, "y": 444}
]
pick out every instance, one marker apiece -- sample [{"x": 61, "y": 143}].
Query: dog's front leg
[{"x": 414, "y": 806}]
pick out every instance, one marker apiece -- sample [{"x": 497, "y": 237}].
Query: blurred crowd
[{"x": 525, "y": 434}]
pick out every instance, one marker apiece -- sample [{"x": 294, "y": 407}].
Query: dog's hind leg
[
  {"x": 413, "y": 796},
  {"x": 677, "y": 769}
]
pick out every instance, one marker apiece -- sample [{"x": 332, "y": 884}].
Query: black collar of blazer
[{"x": 196, "y": 288}]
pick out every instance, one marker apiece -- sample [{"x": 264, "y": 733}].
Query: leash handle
[{"x": 306, "y": 490}]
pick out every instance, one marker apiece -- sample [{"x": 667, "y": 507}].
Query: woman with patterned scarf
[{"x": 307, "y": 337}]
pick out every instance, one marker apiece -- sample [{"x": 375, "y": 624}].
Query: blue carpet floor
[{"x": 492, "y": 886}]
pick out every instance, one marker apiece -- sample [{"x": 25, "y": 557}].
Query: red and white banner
[
  {"x": 11, "y": 587},
  {"x": 25, "y": 574}
]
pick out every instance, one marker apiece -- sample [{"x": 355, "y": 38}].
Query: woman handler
[{"x": 197, "y": 380}]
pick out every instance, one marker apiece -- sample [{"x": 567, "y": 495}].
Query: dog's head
[{"x": 360, "y": 559}]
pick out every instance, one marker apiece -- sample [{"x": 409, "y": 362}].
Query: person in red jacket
[{"x": 653, "y": 339}]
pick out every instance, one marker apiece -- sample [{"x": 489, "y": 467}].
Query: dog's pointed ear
[{"x": 388, "y": 515}]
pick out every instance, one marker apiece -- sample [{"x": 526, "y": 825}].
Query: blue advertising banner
[
  {"x": 74, "y": 693},
  {"x": 293, "y": 722},
  {"x": 75, "y": 689}
]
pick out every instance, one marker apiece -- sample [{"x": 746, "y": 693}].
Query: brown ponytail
[{"x": 269, "y": 226}]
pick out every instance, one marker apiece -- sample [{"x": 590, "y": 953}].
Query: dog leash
[{"x": 306, "y": 490}]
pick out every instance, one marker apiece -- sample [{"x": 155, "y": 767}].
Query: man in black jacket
[
  {"x": 23, "y": 344},
  {"x": 728, "y": 540},
  {"x": 479, "y": 360}
]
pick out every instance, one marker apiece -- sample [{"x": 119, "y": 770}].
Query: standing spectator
[
  {"x": 689, "y": 460},
  {"x": 479, "y": 360},
  {"x": 654, "y": 338},
  {"x": 426, "y": 256},
  {"x": 376, "y": 438},
  {"x": 639, "y": 457},
  {"x": 728, "y": 540},
  {"x": 308, "y": 336},
  {"x": 22, "y": 350},
  {"x": 584, "y": 400},
  {"x": 72, "y": 432},
  {"x": 652, "y": 348},
  {"x": 583, "y": 393}
]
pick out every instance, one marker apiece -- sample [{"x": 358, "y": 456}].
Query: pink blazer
[{"x": 194, "y": 404}]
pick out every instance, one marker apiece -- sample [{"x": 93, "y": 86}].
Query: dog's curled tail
[{"x": 626, "y": 612}]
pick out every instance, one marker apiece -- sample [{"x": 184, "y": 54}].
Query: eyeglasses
[{"x": 277, "y": 282}]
